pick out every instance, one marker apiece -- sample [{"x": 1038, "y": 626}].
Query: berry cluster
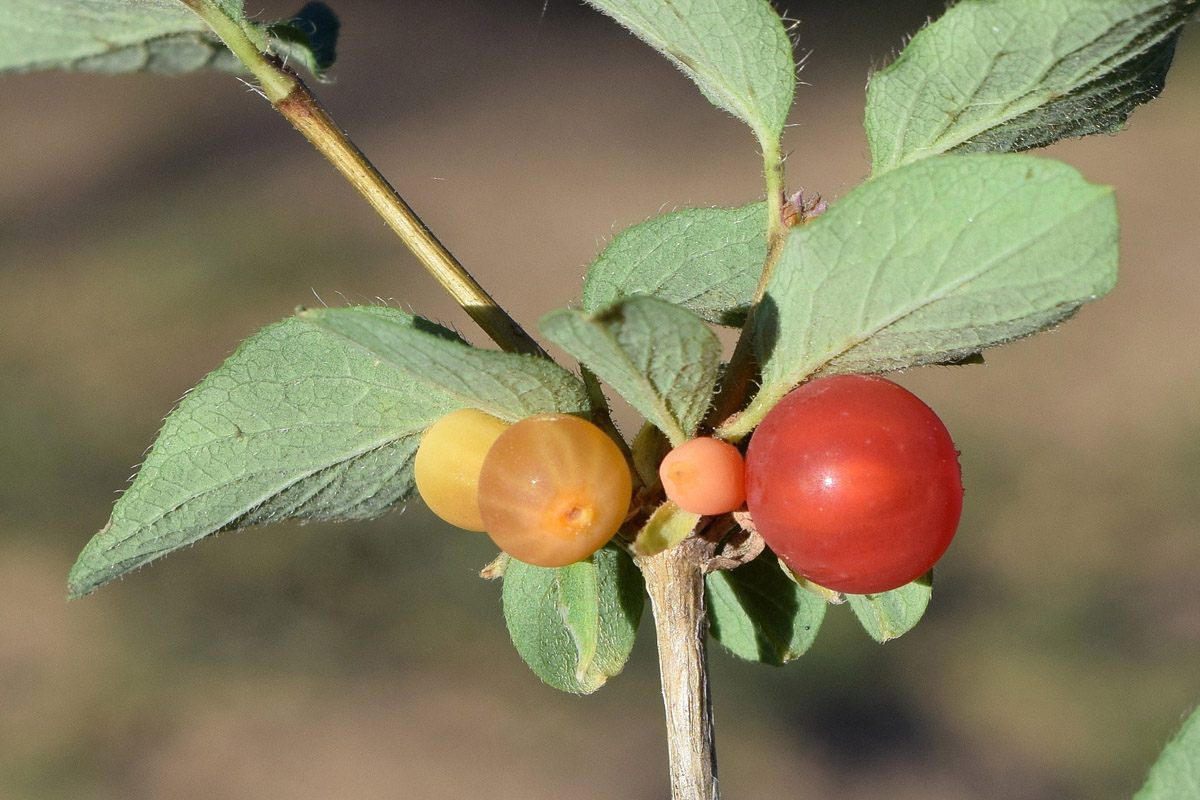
[
  {"x": 851, "y": 480},
  {"x": 549, "y": 490}
]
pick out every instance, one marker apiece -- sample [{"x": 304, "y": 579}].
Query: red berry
[
  {"x": 704, "y": 476},
  {"x": 854, "y": 483}
]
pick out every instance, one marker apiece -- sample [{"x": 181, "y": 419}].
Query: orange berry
[
  {"x": 704, "y": 476},
  {"x": 553, "y": 490},
  {"x": 448, "y": 461}
]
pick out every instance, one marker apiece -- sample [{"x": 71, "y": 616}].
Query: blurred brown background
[{"x": 147, "y": 225}]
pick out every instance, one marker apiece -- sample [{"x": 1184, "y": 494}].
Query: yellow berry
[{"x": 448, "y": 463}]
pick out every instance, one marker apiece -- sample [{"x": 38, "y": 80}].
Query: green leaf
[
  {"x": 930, "y": 263},
  {"x": 737, "y": 52},
  {"x": 1007, "y": 75},
  {"x": 1176, "y": 774},
  {"x": 891, "y": 614},
  {"x": 668, "y": 526},
  {"x": 302, "y": 422},
  {"x": 662, "y": 358},
  {"x": 760, "y": 614},
  {"x": 707, "y": 260},
  {"x": 575, "y": 625},
  {"x": 506, "y": 385},
  {"x": 649, "y": 447},
  {"x": 310, "y": 37},
  {"x": 114, "y": 36}
]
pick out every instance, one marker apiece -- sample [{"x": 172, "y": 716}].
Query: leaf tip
[
  {"x": 588, "y": 682},
  {"x": 80, "y": 582}
]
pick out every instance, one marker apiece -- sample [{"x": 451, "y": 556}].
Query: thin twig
[
  {"x": 303, "y": 110},
  {"x": 291, "y": 98}
]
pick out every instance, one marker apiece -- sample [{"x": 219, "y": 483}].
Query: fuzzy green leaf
[
  {"x": 306, "y": 421},
  {"x": 705, "y": 259},
  {"x": 737, "y": 52},
  {"x": 930, "y": 263},
  {"x": 575, "y": 625},
  {"x": 1007, "y": 75},
  {"x": 1176, "y": 774},
  {"x": 661, "y": 358},
  {"x": 891, "y": 614},
  {"x": 760, "y": 614},
  {"x": 114, "y": 36},
  {"x": 505, "y": 385}
]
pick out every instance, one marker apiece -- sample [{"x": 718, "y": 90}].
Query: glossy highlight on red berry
[
  {"x": 854, "y": 483},
  {"x": 553, "y": 490}
]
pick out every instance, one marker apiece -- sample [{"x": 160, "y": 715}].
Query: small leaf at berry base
[
  {"x": 757, "y": 613},
  {"x": 888, "y": 615},
  {"x": 668, "y": 526},
  {"x": 575, "y": 625},
  {"x": 828, "y": 595}
]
